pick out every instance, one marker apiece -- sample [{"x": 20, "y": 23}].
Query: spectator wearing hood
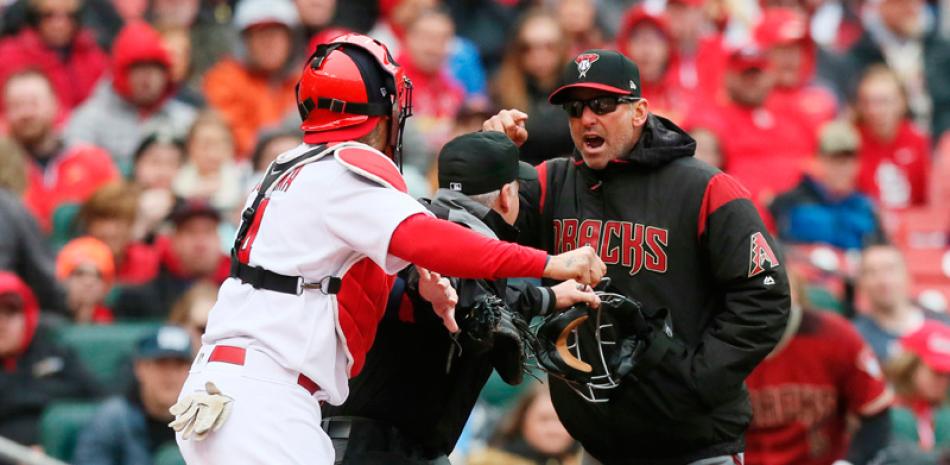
[
  {"x": 793, "y": 58},
  {"x": 900, "y": 34},
  {"x": 55, "y": 43},
  {"x": 87, "y": 270},
  {"x": 191, "y": 253},
  {"x": 23, "y": 250},
  {"x": 767, "y": 150},
  {"x": 646, "y": 39},
  {"x": 255, "y": 88},
  {"x": 529, "y": 72},
  {"x": 131, "y": 429},
  {"x": 135, "y": 102},
  {"x": 895, "y": 155},
  {"x": 33, "y": 371},
  {"x": 58, "y": 172}
]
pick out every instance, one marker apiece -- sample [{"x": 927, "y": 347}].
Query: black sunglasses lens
[
  {"x": 574, "y": 109},
  {"x": 603, "y": 105}
]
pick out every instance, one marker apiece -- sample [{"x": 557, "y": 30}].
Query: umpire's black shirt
[
  {"x": 408, "y": 381},
  {"x": 675, "y": 233}
]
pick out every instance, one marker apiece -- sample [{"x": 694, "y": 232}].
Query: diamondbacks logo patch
[
  {"x": 584, "y": 62},
  {"x": 759, "y": 254}
]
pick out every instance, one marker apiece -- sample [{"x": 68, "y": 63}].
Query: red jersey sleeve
[
  {"x": 860, "y": 378},
  {"x": 453, "y": 250}
]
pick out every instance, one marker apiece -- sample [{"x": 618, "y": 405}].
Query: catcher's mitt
[
  {"x": 593, "y": 350},
  {"x": 492, "y": 327}
]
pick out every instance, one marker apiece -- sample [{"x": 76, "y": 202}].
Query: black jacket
[
  {"x": 675, "y": 233},
  {"x": 414, "y": 380},
  {"x": 24, "y": 252},
  {"x": 43, "y": 374}
]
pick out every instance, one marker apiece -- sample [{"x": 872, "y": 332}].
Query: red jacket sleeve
[{"x": 452, "y": 250}]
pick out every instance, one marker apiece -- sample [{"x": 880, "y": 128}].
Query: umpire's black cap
[
  {"x": 606, "y": 70},
  {"x": 481, "y": 162}
]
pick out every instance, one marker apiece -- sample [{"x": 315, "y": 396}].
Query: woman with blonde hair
[
  {"x": 532, "y": 434},
  {"x": 529, "y": 72},
  {"x": 920, "y": 375},
  {"x": 192, "y": 309}
]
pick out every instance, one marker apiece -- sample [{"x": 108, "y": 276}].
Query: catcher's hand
[
  {"x": 199, "y": 413},
  {"x": 439, "y": 292}
]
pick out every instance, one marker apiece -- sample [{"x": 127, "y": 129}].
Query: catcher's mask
[
  {"x": 346, "y": 86},
  {"x": 592, "y": 350}
]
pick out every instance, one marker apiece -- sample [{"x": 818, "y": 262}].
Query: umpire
[
  {"x": 419, "y": 384},
  {"x": 675, "y": 234}
]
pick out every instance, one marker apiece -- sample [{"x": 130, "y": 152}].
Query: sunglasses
[{"x": 600, "y": 105}]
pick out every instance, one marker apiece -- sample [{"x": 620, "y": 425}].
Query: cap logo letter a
[
  {"x": 584, "y": 61},
  {"x": 760, "y": 253}
]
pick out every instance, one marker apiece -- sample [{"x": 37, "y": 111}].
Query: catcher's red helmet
[{"x": 346, "y": 86}]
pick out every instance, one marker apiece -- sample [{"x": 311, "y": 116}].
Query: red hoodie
[
  {"x": 73, "y": 76},
  {"x": 11, "y": 283},
  {"x": 816, "y": 104},
  {"x": 138, "y": 43},
  {"x": 667, "y": 97},
  {"x": 895, "y": 172}
]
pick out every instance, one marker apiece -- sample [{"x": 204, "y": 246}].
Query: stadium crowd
[{"x": 132, "y": 130}]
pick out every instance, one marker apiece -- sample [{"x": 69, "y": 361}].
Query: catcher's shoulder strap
[
  {"x": 277, "y": 170},
  {"x": 371, "y": 164}
]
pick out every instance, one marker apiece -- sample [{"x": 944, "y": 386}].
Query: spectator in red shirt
[
  {"x": 86, "y": 268},
  {"x": 189, "y": 254},
  {"x": 820, "y": 374},
  {"x": 109, "y": 215},
  {"x": 783, "y": 32},
  {"x": 765, "y": 149},
  {"x": 895, "y": 155},
  {"x": 55, "y": 44},
  {"x": 436, "y": 96},
  {"x": 59, "y": 172},
  {"x": 701, "y": 57},
  {"x": 646, "y": 39}
]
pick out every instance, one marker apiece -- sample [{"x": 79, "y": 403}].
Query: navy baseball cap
[
  {"x": 481, "y": 162},
  {"x": 165, "y": 342},
  {"x": 598, "y": 69}
]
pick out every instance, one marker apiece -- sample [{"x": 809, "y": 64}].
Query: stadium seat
[
  {"x": 64, "y": 225},
  {"x": 933, "y": 296},
  {"x": 103, "y": 348},
  {"x": 918, "y": 228},
  {"x": 928, "y": 266},
  {"x": 60, "y": 427},
  {"x": 168, "y": 454}
]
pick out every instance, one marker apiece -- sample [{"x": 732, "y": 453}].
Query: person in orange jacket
[{"x": 255, "y": 89}]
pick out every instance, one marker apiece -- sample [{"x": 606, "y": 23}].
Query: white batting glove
[{"x": 199, "y": 413}]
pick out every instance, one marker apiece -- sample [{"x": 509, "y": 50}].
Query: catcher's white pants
[{"x": 273, "y": 421}]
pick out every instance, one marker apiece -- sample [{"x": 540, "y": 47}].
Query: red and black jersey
[
  {"x": 802, "y": 395},
  {"x": 679, "y": 234}
]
